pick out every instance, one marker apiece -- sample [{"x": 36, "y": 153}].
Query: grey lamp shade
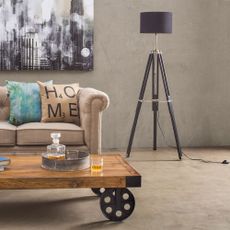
[{"x": 156, "y": 22}]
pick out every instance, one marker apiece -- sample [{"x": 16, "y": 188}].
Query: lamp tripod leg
[
  {"x": 170, "y": 106},
  {"x": 155, "y": 130},
  {"x": 155, "y": 96},
  {"x": 139, "y": 103}
]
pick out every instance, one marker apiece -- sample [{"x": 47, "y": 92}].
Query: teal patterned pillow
[{"x": 25, "y": 102}]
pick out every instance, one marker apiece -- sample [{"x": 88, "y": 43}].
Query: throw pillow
[
  {"x": 25, "y": 103},
  {"x": 59, "y": 103}
]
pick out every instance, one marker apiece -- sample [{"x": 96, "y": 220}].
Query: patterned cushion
[
  {"x": 59, "y": 103},
  {"x": 25, "y": 103}
]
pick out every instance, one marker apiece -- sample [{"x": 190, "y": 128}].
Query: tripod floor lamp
[{"x": 155, "y": 22}]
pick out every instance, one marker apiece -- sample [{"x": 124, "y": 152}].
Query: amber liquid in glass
[
  {"x": 96, "y": 168},
  {"x": 96, "y": 164},
  {"x": 57, "y": 157}
]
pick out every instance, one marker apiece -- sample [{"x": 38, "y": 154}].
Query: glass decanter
[{"x": 56, "y": 150}]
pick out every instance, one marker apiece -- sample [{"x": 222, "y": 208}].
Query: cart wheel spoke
[{"x": 98, "y": 191}]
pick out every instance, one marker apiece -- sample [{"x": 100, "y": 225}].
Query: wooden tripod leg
[
  {"x": 139, "y": 103},
  {"x": 155, "y": 97},
  {"x": 170, "y": 106}
]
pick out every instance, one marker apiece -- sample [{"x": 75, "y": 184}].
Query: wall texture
[{"x": 197, "y": 61}]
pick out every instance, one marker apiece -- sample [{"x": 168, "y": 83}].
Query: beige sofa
[{"x": 35, "y": 136}]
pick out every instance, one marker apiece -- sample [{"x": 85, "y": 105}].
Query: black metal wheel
[
  {"x": 98, "y": 191},
  {"x": 117, "y": 204}
]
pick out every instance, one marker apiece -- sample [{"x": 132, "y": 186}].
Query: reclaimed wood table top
[{"x": 25, "y": 172}]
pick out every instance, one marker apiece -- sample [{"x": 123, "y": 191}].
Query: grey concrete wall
[{"x": 197, "y": 58}]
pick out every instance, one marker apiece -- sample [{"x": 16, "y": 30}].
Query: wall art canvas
[{"x": 46, "y": 34}]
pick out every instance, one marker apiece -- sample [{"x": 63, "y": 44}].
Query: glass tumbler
[{"x": 96, "y": 162}]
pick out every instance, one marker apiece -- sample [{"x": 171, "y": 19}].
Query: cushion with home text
[{"x": 59, "y": 102}]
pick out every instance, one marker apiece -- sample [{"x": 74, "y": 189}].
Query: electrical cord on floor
[{"x": 190, "y": 158}]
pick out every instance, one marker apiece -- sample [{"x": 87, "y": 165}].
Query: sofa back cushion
[
  {"x": 4, "y": 104},
  {"x": 25, "y": 103},
  {"x": 59, "y": 103}
]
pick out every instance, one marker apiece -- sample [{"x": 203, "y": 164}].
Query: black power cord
[
  {"x": 205, "y": 161},
  {"x": 190, "y": 158}
]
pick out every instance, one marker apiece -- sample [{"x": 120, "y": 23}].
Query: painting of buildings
[{"x": 46, "y": 34}]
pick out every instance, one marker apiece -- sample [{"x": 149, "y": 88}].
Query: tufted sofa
[{"x": 35, "y": 136}]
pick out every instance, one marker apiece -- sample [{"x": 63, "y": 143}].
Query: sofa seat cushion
[
  {"x": 38, "y": 133},
  {"x": 7, "y": 134}
]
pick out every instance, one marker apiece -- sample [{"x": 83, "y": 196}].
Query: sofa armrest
[{"x": 91, "y": 104}]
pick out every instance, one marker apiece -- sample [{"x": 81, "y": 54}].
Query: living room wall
[{"x": 197, "y": 62}]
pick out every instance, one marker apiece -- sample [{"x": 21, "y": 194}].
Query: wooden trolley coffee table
[{"x": 116, "y": 201}]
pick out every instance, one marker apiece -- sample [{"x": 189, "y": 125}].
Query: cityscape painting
[{"x": 46, "y": 34}]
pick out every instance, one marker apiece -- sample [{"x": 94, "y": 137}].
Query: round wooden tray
[{"x": 75, "y": 160}]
